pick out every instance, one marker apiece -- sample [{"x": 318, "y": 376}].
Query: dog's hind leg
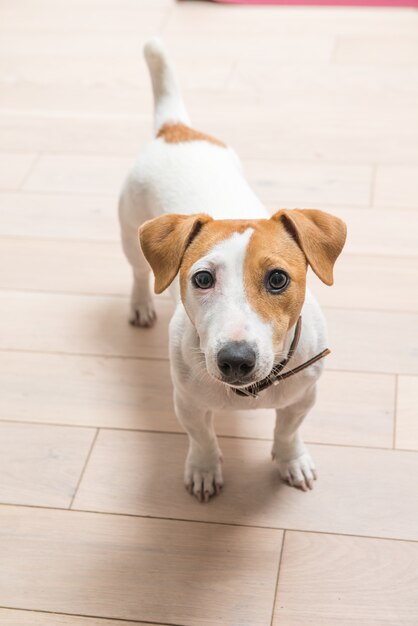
[
  {"x": 142, "y": 311},
  {"x": 292, "y": 457}
]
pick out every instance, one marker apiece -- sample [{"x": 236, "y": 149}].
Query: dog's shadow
[
  {"x": 252, "y": 483},
  {"x": 144, "y": 404}
]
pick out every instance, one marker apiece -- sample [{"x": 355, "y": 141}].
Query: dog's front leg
[
  {"x": 203, "y": 471},
  {"x": 293, "y": 459}
]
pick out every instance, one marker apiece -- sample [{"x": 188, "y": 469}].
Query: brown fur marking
[
  {"x": 213, "y": 233},
  {"x": 320, "y": 235},
  {"x": 179, "y": 133},
  {"x": 164, "y": 241},
  {"x": 271, "y": 247}
]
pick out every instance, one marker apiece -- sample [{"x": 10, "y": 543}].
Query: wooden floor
[{"x": 96, "y": 528}]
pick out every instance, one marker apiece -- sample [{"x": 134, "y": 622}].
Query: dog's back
[{"x": 183, "y": 170}]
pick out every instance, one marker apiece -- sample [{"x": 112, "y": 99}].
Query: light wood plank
[
  {"x": 75, "y": 101},
  {"x": 365, "y": 282},
  {"x": 397, "y": 185},
  {"x": 41, "y": 465},
  {"x": 50, "y": 133},
  {"x": 137, "y": 569},
  {"x": 283, "y": 49},
  {"x": 64, "y": 216},
  {"x": 64, "y": 266},
  {"x": 82, "y": 16},
  {"x": 28, "y": 53},
  {"x": 301, "y": 183},
  {"x": 377, "y": 50},
  {"x": 345, "y": 581},
  {"x": 125, "y": 69},
  {"x": 302, "y": 136},
  {"x": 79, "y": 325},
  {"x": 78, "y": 174},
  {"x": 406, "y": 413},
  {"x": 87, "y": 391},
  {"x": 10, "y": 617},
  {"x": 116, "y": 45},
  {"x": 352, "y": 409},
  {"x": 145, "y": 477},
  {"x": 334, "y": 81},
  {"x": 374, "y": 341},
  {"x": 291, "y": 115},
  {"x": 306, "y": 134},
  {"x": 384, "y": 232},
  {"x": 13, "y": 169}
]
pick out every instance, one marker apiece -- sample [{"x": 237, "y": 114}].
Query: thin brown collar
[{"x": 275, "y": 375}]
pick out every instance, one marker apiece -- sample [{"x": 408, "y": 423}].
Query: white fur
[
  {"x": 192, "y": 177},
  {"x": 223, "y": 314},
  {"x": 168, "y": 102}
]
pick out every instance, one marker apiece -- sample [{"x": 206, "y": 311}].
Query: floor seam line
[
  {"x": 83, "y": 470},
  {"x": 210, "y": 522},
  {"x": 86, "y": 616},
  {"x": 276, "y": 588}
]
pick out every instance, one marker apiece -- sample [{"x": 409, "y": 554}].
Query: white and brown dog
[{"x": 242, "y": 285}]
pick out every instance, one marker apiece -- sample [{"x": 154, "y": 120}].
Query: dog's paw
[
  {"x": 142, "y": 315},
  {"x": 203, "y": 478},
  {"x": 299, "y": 472}
]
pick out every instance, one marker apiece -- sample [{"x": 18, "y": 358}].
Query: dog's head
[{"x": 242, "y": 282}]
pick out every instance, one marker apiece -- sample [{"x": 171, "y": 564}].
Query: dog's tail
[{"x": 168, "y": 103}]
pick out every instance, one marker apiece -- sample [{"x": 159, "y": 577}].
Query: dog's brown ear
[
  {"x": 321, "y": 237},
  {"x": 164, "y": 241}
]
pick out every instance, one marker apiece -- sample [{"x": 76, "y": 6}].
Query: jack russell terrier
[{"x": 246, "y": 332}]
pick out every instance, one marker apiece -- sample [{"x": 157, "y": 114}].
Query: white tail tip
[
  {"x": 154, "y": 51},
  {"x": 168, "y": 103}
]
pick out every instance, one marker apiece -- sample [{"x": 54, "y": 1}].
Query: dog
[{"x": 246, "y": 332}]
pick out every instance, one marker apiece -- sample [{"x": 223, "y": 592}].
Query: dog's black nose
[{"x": 236, "y": 360}]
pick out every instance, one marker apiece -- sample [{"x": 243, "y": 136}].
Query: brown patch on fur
[
  {"x": 179, "y": 133},
  {"x": 272, "y": 247},
  {"x": 275, "y": 245},
  {"x": 164, "y": 240},
  {"x": 288, "y": 241},
  {"x": 214, "y": 232},
  {"x": 269, "y": 247},
  {"x": 321, "y": 237}
]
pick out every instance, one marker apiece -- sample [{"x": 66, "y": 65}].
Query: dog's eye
[
  {"x": 203, "y": 280},
  {"x": 277, "y": 281}
]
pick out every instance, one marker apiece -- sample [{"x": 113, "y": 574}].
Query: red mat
[{"x": 339, "y": 3}]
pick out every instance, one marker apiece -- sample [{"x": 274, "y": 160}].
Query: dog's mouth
[
  {"x": 240, "y": 383},
  {"x": 236, "y": 384}
]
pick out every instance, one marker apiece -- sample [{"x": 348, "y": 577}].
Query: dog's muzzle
[
  {"x": 276, "y": 374},
  {"x": 236, "y": 361}
]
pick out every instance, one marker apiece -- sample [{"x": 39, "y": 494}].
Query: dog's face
[
  {"x": 242, "y": 282},
  {"x": 243, "y": 285}
]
